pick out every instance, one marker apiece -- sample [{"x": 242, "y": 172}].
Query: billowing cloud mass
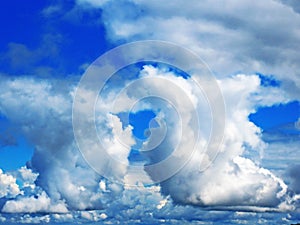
[
  {"x": 243, "y": 36},
  {"x": 68, "y": 183},
  {"x": 46, "y": 122},
  {"x": 240, "y": 37},
  {"x": 231, "y": 180},
  {"x": 237, "y": 40}
]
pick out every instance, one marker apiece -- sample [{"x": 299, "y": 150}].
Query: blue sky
[
  {"x": 273, "y": 116},
  {"x": 55, "y": 42},
  {"x": 46, "y": 47}
]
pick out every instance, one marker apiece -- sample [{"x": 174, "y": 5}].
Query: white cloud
[
  {"x": 46, "y": 121},
  {"x": 231, "y": 37},
  {"x": 27, "y": 177},
  {"x": 242, "y": 36},
  {"x": 66, "y": 217},
  {"x": 93, "y": 216},
  {"x": 71, "y": 185},
  {"x": 231, "y": 180},
  {"x": 2, "y": 219},
  {"x": 28, "y": 219},
  {"x": 33, "y": 204},
  {"x": 8, "y": 186}
]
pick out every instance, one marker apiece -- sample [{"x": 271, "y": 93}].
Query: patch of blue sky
[
  {"x": 13, "y": 157},
  {"x": 140, "y": 123},
  {"x": 23, "y": 25},
  {"x": 15, "y": 150},
  {"x": 268, "y": 80},
  {"x": 273, "y": 116},
  {"x": 35, "y": 43}
]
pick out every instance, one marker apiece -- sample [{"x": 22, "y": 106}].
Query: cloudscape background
[{"x": 253, "y": 50}]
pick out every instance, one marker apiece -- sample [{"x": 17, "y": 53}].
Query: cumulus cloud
[
  {"x": 8, "y": 186},
  {"x": 27, "y": 177},
  {"x": 254, "y": 185},
  {"x": 46, "y": 123},
  {"x": 231, "y": 180},
  {"x": 38, "y": 203},
  {"x": 238, "y": 37},
  {"x": 58, "y": 179}
]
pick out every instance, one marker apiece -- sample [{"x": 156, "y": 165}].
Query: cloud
[
  {"x": 46, "y": 123},
  {"x": 33, "y": 204},
  {"x": 27, "y": 176},
  {"x": 27, "y": 197},
  {"x": 243, "y": 36},
  {"x": 254, "y": 186},
  {"x": 59, "y": 180},
  {"x": 94, "y": 3},
  {"x": 28, "y": 219},
  {"x": 231, "y": 179},
  {"x": 294, "y": 175},
  {"x": 8, "y": 186},
  {"x": 239, "y": 37},
  {"x": 293, "y": 4}
]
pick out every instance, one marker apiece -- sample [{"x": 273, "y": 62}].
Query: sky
[{"x": 199, "y": 125}]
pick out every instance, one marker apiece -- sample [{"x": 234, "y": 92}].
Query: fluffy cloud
[
  {"x": 68, "y": 183},
  {"x": 8, "y": 186},
  {"x": 239, "y": 37},
  {"x": 243, "y": 36},
  {"x": 231, "y": 179},
  {"x": 33, "y": 204},
  {"x": 46, "y": 121},
  {"x": 27, "y": 177}
]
